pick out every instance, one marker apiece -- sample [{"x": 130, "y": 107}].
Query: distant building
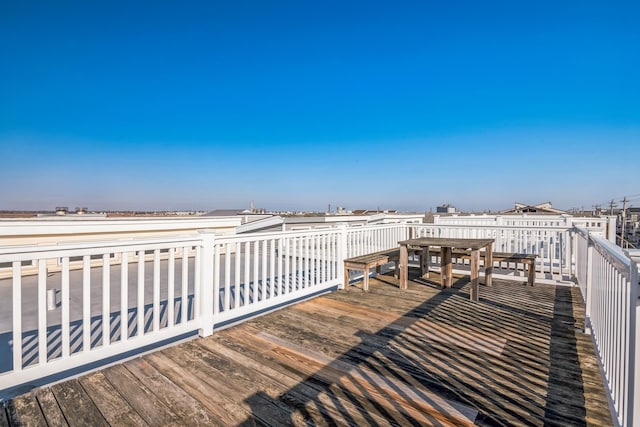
[
  {"x": 308, "y": 222},
  {"x": 246, "y": 215},
  {"x": 545, "y": 208},
  {"x": 446, "y": 209},
  {"x": 372, "y": 211},
  {"x": 228, "y": 212},
  {"x": 629, "y": 227},
  {"x": 63, "y": 213}
]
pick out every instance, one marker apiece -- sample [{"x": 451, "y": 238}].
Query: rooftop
[{"x": 421, "y": 356}]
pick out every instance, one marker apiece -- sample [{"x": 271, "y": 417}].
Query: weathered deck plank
[
  {"x": 140, "y": 398},
  {"x": 4, "y": 421},
  {"x": 50, "y": 408},
  {"x": 76, "y": 405},
  {"x": 188, "y": 409},
  {"x": 25, "y": 411},
  {"x": 115, "y": 409},
  {"x": 222, "y": 408},
  {"x": 263, "y": 368},
  {"x": 386, "y": 357}
]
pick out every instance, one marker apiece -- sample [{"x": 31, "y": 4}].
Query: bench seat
[
  {"x": 365, "y": 262},
  {"x": 528, "y": 259}
]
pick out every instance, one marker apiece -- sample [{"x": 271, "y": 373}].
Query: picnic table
[{"x": 446, "y": 246}]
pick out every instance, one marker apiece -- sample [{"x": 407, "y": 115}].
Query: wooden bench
[
  {"x": 365, "y": 262},
  {"x": 527, "y": 259}
]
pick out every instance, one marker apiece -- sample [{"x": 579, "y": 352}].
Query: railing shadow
[
  {"x": 30, "y": 341},
  {"x": 448, "y": 361},
  {"x": 565, "y": 364}
]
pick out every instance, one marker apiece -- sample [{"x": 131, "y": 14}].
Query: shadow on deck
[{"x": 423, "y": 356}]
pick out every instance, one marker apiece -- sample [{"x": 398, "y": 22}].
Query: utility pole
[
  {"x": 624, "y": 217},
  {"x": 611, "y": 206}
]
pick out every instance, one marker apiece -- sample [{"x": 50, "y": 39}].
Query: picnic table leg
[
  {"x": 346, "y": 277},
  {"x": 446, "y": 267},
  {"x": 531, "y": 276},
  {"x": 488, "y": 265},
  {"x": 365, "y": 280},
  {"x": 424, "y": 262},
  {"x": 404, "y": 267},
  {"x": 475, "y": 273}
]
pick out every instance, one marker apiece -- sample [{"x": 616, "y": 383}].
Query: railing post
[
  {"x": 568, "y": 252},
  {"x": 611, "y": 229},
  {"x": 589, "y": 286},
  {"x": 634, "y": 350},
  {"x": 342, "y": 251},
  {"x": 206, "y": 282},
  {"x": 571, "y": 250}
]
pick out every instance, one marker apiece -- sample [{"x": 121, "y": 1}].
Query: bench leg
[
  {"x": 424, "y": 262},
  {"x": 396, "y": 272},
  {"x": 404, "y": 269},
  {"x": 365, "y": 280},
  {"x": 446, "y": 267},
  {"x": 475, "y": 273},
  {"x": 531, "y": 276},
  {"x": 488, "y": 265}
]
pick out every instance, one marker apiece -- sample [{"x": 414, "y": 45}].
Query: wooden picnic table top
[{"x": 447, "y": 242}]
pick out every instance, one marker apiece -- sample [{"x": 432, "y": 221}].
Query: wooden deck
[{"x": 423, "y": 356}]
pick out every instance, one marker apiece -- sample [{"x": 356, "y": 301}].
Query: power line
[
  {"x": 624, "y": 220},
  {"x": 630, "y": 198}
]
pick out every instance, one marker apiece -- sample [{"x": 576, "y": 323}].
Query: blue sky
[{"x": 295, "y": 105}]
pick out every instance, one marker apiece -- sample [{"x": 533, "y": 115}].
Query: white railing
[
  {"x": 523, "y": 220},
  {"x": 105, "y": 299},
  {"x": 601, "y": 226},
  {"x": 92, "y": 309},
  {"x": 550, "y": 243},
  {"x": 609, "y": 283},
  {"x": 252, "y": 273},
  {"x": 374, "y": 238}
]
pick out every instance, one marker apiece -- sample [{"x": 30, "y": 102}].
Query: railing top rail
[
  {"x": 306, "y": 232},
  {"x": 612, "y": 253},
  {"x": 275, "y": 235},
  {"x": 582, "y": 231},
  {"x": 375, "y": 226},
  {"x": 109, "y": 225},
  {"x": 500, "y": 226},
  {"x": 97, "y": 245}
]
